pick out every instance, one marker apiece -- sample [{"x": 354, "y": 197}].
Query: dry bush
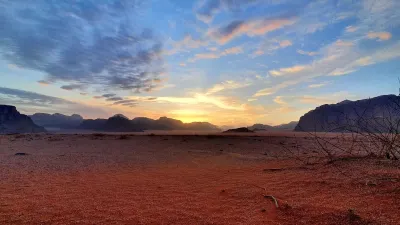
[{"x": 364, "y": 132}]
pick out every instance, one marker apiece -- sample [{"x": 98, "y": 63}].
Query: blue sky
[{"x": 229, "y": 62}]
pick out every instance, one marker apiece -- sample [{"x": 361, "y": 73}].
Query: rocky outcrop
[
  {"x": 57, "y": 120},
  {"x": 11, "y": 121},
  {"x": 204, "y": 126},
  {"x": 379, "y": 114},
  {"x": 286, "y": 127},
  {"x": 261, "y": 127},
  {"x": 239, "y": 130},
  {"x": 283, "y": 127}
]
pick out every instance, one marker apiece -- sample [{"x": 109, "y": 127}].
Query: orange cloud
[
  {"x": 279, "y": 100},
  {"x": 264, "y": 92},
  {"x": 207, "y": 56},
  {"x": 43, "y": 82},
  {"x": 216, "y": 55},
  {"x": 249, "y": 28},
  {"x": 288, "y": 70},
  {"x": 227, "y": 85},
  {"x": 234, "y": 50},
  {"x": 351, "y": 29},
  {"x": 285, "y": 43},
  {"x": 317, "y": 85},
  {"x": 383, "y": 36}
]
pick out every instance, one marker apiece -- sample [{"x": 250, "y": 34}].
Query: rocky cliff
[
  {"x": 283, "y": 127},
  {"x": 11, "y": 121},
  {"x": 379, "y": 114}
]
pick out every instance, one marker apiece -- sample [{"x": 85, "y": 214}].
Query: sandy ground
[{"x": 178, "y": 179}]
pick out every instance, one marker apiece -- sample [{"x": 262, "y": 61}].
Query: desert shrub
[
  {"x": 211, "y": 136},
  {"x": 123, "y": 137},
  {"x": 364, "y": 132}
]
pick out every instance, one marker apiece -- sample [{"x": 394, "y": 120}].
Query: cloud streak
[
  {"x": 336, "y": 60},
  {"x": 209, "y": 8},
  {"x": 383, "y": 36},
  {"x": 251, "y": 28},
  {"x": 215, "y": 55}
]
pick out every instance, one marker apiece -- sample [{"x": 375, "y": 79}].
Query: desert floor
[{"x": 187, "y": 179}]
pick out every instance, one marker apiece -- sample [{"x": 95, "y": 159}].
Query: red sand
[{"x": 94, "y": 179}]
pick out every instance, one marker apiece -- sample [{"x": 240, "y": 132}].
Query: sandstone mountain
[
  {"x": 283, "y": 127},
  {"x": 120, "y": 123},
  {"x": 11, "y": 121},
  {"x": 57, "y": 120},
  {"x": 378, "y": 114}
]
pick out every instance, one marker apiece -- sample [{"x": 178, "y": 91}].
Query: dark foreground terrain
[{"x": 180, "y": 179}]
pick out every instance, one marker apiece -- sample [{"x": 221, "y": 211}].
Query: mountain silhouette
[
  {"x": 57, "y": 120},
  {"x": 120, "y": 123},
  {"x": 282, "y": 127},
  {"x": 378, "y": 114},
  {"x": 11, "y": 121}
]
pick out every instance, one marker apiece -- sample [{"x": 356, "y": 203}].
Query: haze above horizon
[{"x": 225, "y": 62}]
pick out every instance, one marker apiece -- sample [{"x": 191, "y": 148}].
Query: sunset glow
[{"x": 225, "y": 62}]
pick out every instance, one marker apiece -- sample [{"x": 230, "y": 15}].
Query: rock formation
[
  {"x": 239, "y": 130},
  {"x": 11, "y": 121},
  {"x": 57, "y": 120},
  {"x": 379, "y": 114},
  {"x": 283, "y": 127}
]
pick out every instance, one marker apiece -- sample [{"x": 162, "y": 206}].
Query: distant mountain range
[
  {"x": 283, "y": 127},
  {"x": 11, "y": 121},
  {"x": 117, "y": 123},
  {"x": 120, "y": 123},
  {"x": 372, "y": 115},
  {"x": 57, "y": 120}
]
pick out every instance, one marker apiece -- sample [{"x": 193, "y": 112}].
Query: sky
[{"x": 228, "y": 62}]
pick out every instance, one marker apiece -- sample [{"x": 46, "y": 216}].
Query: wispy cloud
[
  {"x": 227, "y": 85},
  {"x": 279, "y": 100},
  {"x": 250, "y": 28},
  {"x": 215, "y": 55},
  {"x": 218, "y": 101},
  {"x": 342, "y": 43},
  {"x": 383, "y": 36},
  {"x": 71, "y": 87},
  {"x": 270, "y": 46},
  {"x": 208, "y": 8},
  {"x": 351, "y": 29},
  {"x": 43, "y": 82},
  {"x": 302, "y": 52},
  {"x": 336, "y": 60},
  {"x": 288, "y": 70},
  {"x": 318, "y": 85},
  {"x": 188, "y": 42}
]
